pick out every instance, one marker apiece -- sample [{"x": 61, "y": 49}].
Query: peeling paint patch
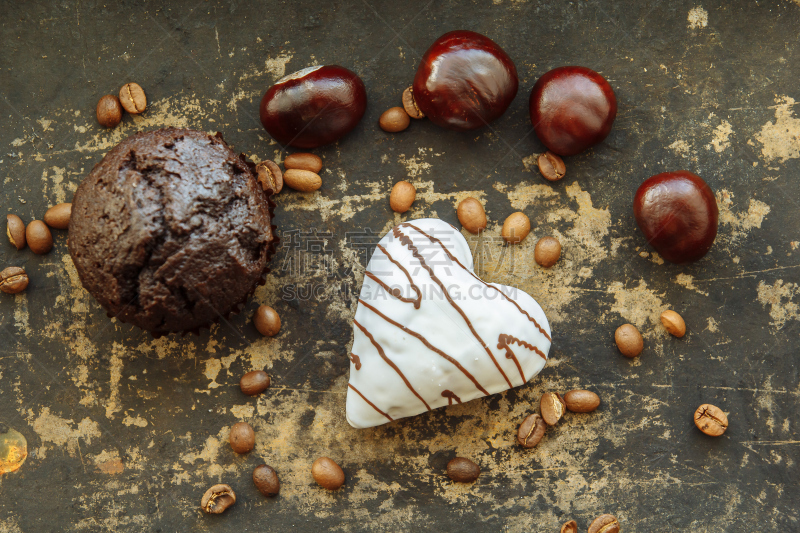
[
  {"x": 720, "y": 138},
  {"x": 779, "y": 297},
  {"x": 740, "y": 223},
  {"x": 640, "y": 306},
  {"x": 781, "y": 139},
  {"x": 698, "y": 18},
  {"x": 63, "y": 432},
  {"x": 687, "y": 281}
]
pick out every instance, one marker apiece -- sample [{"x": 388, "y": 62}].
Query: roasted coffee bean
[
  {"x": 267, "y": 321},
  {"x": 217, "y": 499},
  {"x": 604, "y": 524},
  {"x": 39, "y": 238},
  {"x": 581, "y": 401},
  {"x": 327, "y": 473},
  {"x": 710, "y": 420},
  {"x": 254, "y": 382},
  {"x": 463, "y": 470},
  {"x": 270, "y": 176},
  {"x": 266, "y": 480},
  {"x": 242, "y": 437},
  {"x": 132, "y": 98},
  {"x": 547, "y": 251},
  {"x": 109, "y": 111},
  {"x": 303, "y": 161},
  {"x": 16, "y": 231},
  {"x": 410, "y": 105},
  {"x": 394, "y": 119},
  {"x": 516, "y": 227},
  {"x": 629, "y": 340},
  {"x": 58, "y": 216},
  {"x": 13, "y": 280},
  {"x": 531, "y": 431},
  {"x": 570, "y": 527},
  {"x": 673, "y": 323},
  {"x": 552, "y": 407},
  {"x": 403, "y": 195},
  {"x": 471, "y": 215},
  {"x": 551, "y": 166},
  {"x": 302, "y": 180}
]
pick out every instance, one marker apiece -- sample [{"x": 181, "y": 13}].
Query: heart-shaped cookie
[{"x": 428, "y": 332}]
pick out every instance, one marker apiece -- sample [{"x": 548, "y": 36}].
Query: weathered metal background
[{"x": 125, "y": 433}]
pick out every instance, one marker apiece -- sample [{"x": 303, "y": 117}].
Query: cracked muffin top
[{"x": 171, "y": 231}]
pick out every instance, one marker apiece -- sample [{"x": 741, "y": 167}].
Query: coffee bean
[
  {"x": 217, "y": 499},
  {"x": 303, "y": 161},
  {"x": 266, "y": 480},
  {"x": 270, "y": 176},
  {"x": 327, "y": 473},
  {"x": 471, "y": 215},
  {"x": 58, "y": 216},
  {"x": 547, "y": 251},
  {"x": 710, "y": 420},
  {"x": 13, "y": 280},
  {"x": 629, "y": 340},
  {"x": 516, "y": 227},
  {"x": 403, "y": 195},
  {"x": 674, "y": 324},
  {"x": 242, "y": 437},
  {"x": 570, "y": 527},
  {"x": 463, "y": 470},
  {"x": 109, "y": 111},
  {"x": 302, "y": 180},
  {"x": 132, "y": 98},
  {"x": 16, "y": 231},
  {"x": 254, "y": 382},
  {"x": 394, "y": 119},
  {"x": 267, "y": 321},
  {"x": 581, "y": 401},
  {"x": 604, "y": 524},
  {"x": 39, "y": 238},
  {"x": 410, "y": 105},
  {"x": 551, "y": 166},
  {"x": 531, "y": 431},
  {"x": 552, "y": 407}
]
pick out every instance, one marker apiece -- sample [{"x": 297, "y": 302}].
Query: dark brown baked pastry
[{"x": 171, "y": 230}]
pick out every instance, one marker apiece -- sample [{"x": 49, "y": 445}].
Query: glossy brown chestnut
[
  {"x": 313, "y": 106},
  {"x": 572, "y": 109},
  {"x": 464, "y": 81},
  {"x": 678, "y": 214}
]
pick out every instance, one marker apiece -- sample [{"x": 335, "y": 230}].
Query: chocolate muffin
[{"x": 171, "y": 231}]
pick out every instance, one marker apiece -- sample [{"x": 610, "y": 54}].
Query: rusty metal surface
[{"x": 125, "y": 433}]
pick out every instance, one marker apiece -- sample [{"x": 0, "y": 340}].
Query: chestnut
[
  {"x": 572, "y": 109},
  {"x": 677, "y": 212},
  {"x": 313, "y": 106},
  {"x": 464, "y": 81}
]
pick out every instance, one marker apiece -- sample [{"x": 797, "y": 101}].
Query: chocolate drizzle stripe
[
  {"x": 407, "y": 241},
  {"x": 450, "y": 395},
  {"x": 427, "y": 345},
  {"x": 391, "y": 363},
  {"x": 416, "y": 301},
  {"x": 414, "y": 286},
  {"x": 452, "y": 257},
  {"x": 369, "y": 402},
  {"x": 356, "y": 361}
]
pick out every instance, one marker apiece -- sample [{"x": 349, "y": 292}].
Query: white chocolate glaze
[{"x": 428, "y": 332}]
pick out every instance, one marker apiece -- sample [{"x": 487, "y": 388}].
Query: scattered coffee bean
[
  {"x": 13, "y": 280},
  {"x": 674, "y": 324},
  {"x": 327, "y": 473},
  {"x": 604, "y": 524},
  {"x": 551, "y": 166},
  {"x": 403, "y": 195},
  {"x": 531, "y": 431},
  {"x": 394, "y": 119},
  {"x": 39, "y": 238},
  {"x": 552, "y": 407},
  {"x": 254, "y": 382},
  {"x": 629, "y": 340},
  {"x": 267, "y": 321},
  {"x": 547, "y": 251},
  {"x": 109, "y": 111},
  {"x": 16, "y": 231},
  {"x": 463, "y": 470},
  {"x": 242, "y": 438},
  {"x": 516, "y": 227},
  {"x": 266, "y": 480},
  {"x": 471, "y": 215},
  {"x": 132, "y": 98},
  {"x": 570, "y": 527},
  {"x": 58, "y": 216},
  {"x": 581, "y": 401},
  {"x": 303, "y": 161},
  {"x": 410, "y": 105},
  {"x": 711, "y": 420},
  {"x": 269, "y": 176},
  {"x": 217, "y": 499},
  {"x": 302, "y": 180}
]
